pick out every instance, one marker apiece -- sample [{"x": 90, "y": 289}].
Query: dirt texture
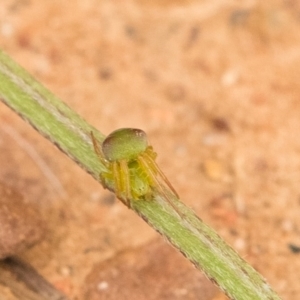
[
  {"x": 215, "y": 84},
  {"x": 20, "y": 223}
]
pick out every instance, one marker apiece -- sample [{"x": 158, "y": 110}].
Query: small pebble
[
  {"x": 240, "y": 244},
  {"x": 103, "y": 285},
  {"x": 294, "y": 248},
  {"x": 213, "y": 169},
  {"x": 230, "y": 78}
]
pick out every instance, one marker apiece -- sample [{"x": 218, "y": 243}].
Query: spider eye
[{"x": 124, "y": 143}]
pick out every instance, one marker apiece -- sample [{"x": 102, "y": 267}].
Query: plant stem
[
  {"x": 25, "y": 282},
  {"x": 70, "y": 133}
]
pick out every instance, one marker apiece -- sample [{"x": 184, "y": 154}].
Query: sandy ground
[{"x": 215, "y": 84}]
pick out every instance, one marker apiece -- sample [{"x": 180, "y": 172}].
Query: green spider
[{"x": 131, "y": 166}]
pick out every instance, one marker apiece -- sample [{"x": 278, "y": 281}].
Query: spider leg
[
  {"x": 125, "y": 180},
  {"x": 97, "y": 149},
  {"x": 156, "y": 168},
  {"x": 116, "y": 178},
  {"x": 148, "y": 167},
  {"x": 121, "y": 178}
]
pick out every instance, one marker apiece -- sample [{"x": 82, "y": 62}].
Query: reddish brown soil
[{"x": 214, "y": 84}]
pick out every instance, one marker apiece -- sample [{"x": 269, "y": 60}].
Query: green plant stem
[{"x": 199, "y": 243}]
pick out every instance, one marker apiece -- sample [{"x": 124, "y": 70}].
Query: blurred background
[{"x": 215, "y": 84}]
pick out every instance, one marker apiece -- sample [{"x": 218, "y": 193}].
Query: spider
[{"x": 131, "y": 166}]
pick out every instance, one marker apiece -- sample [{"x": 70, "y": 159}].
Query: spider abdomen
[{"x": 124, "y": 143}]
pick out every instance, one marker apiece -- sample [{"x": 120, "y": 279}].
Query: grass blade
[{"x": 69, "y": 132}]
